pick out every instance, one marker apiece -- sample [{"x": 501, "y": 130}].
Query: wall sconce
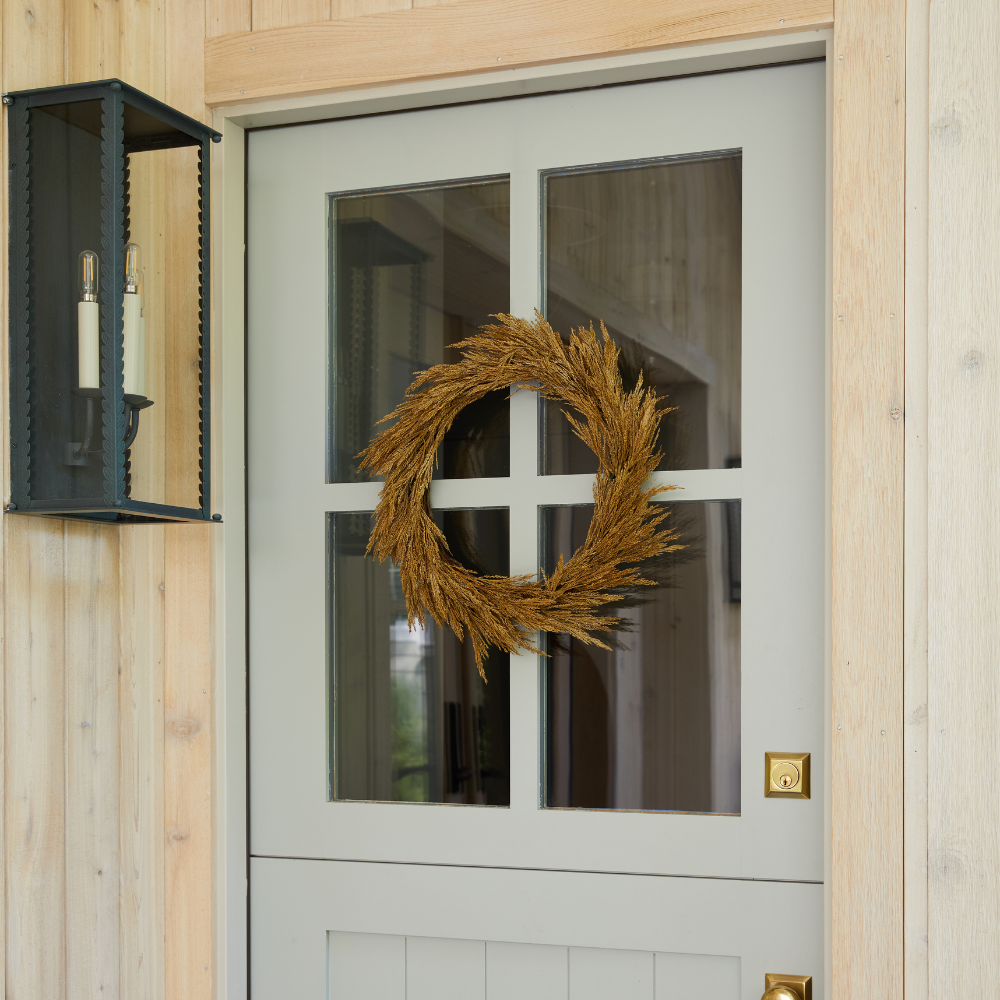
[{"x": 109, "y": 319}]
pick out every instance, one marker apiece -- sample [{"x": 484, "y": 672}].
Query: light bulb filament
[
  {"x": 132, "y": 268},
  {"x": 89, "y": 267}
]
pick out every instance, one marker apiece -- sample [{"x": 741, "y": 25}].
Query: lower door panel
[{"x": 368, "y": 931}]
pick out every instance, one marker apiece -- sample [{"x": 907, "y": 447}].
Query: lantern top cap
[{"x": 145, "y": 116}]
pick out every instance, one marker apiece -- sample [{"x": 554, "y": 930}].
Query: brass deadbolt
[
  {"x": 786, "y": 775},
  {"x": 782, "y": 987}
]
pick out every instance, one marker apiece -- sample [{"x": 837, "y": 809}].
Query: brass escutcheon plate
[
  {"x": 803, "y": 985},
  {"x": 786, "y": 776}
]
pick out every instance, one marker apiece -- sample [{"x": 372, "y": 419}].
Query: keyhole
[{"x": 786, "y": 781}]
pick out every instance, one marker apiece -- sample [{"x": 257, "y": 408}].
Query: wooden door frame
[{"x": 866, "y": 62}]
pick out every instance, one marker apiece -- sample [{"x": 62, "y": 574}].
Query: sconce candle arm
[{"x": 135, "y": 403}]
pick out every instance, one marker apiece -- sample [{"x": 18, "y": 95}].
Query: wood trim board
[
  {"x": 866, "y": 818},
  {"x": 868, "y": 224},
  {"x": 449, "y": 40}
]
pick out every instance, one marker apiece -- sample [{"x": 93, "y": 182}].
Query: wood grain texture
[
  {"x": 187, "y": 776},
  {"x": 915, "y": 915},
  {"x": 92, "y": 760},
  {"x": 34, "y": 44},
  {"x": 279, "y": 13},
  {"x": 141, "y": 722},
  {"x": 5, "y": 480},
  {"x": 223, "y": 17},
  {"x": 93, "y": 32},
  {"x": 963, "y": 552},
  {"x": 34, "y": 735},
  {"x": 35, "y": 809},
  {"x": 867, "y": 498},
  {"x": 83, "y": 777},
  {"x": 449, "y": 40},
  {"x": 188, "y": 761},
  {"x": 142, "y": 54},
  {"x": 358, "y": 8}
]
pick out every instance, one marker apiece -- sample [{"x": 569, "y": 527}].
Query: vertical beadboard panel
[
  {"x": 34, "y": 53},
  {"x": 915, "y": 915},
  {"x": 34, "y": 646},
  {"x": 278, "y": 13},
  {"x": 223, "y": 17},
  {"x": 963, "y": 336},
  {"x": 93, "y": 32},
  {"x": 188, "y": 762},
  {"x": 143, "y": 61},
  {"x": 188, "y": 573},
  {"x": 867, "y": 498},
  {"x": 141, "y": 721},
  {"x": 5, "y": 480},
  {"x": 35, "y": 813},
  {"x": 92, "y": 800},
  {"x": 358, "y": 8}
]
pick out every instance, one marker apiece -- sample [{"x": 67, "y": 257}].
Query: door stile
[{"x": 525, "y": 669}]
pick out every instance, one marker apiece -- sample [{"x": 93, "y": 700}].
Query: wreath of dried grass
[{"x": 620, "y": 427}]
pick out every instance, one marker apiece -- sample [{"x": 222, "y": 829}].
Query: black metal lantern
[{"x": 109, "y": 325}]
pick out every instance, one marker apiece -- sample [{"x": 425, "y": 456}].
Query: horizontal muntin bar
[{"x": 542, "y": 491}]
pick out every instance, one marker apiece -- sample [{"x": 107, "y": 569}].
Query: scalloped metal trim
[
  {"x": 112, "y": 305},
  {"x": 19, "y": 274}
]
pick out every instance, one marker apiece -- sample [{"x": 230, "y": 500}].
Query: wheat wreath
[{"x": 620, "y": 428}]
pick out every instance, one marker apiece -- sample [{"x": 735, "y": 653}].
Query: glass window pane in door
[
  {"x": 653, "y": 723},
  {"x": 414, "y": 272},
  {"x": 412, "y": 719},
  {"x": 655, "y": 251}
]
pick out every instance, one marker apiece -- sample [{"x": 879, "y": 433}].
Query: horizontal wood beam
[{"x": 474, "y": 36}]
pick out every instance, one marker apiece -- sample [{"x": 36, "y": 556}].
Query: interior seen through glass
[
  {"x": 413, "y": 721},
  {"x": 655, "y": 251},
  {"x": 414, "y": 272},
  {"x": 653, "y": 723}
]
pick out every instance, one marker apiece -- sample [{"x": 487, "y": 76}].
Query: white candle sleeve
[
  {"x": 142, "y": 352},
  {"x": 88, "y": 319},
  {"x": 133, "y": 308}
]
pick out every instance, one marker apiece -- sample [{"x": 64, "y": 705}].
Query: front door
[{"x": 591, "y": 823}]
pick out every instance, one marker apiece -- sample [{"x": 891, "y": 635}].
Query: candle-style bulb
[
  {"x": 88, "y": 320},
  {"x": 132, "y": 267},
  {"x": 89, "y": 267}
]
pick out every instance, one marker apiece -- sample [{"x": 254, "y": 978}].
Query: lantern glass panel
[
  {"x": 64, "y": 209},
  {"x": 163, "y": 465}
]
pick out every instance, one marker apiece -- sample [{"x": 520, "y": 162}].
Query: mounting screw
[
  {"x": 8, "y": 100},
  {"x": 216, "y": 517},
  {"x": 11, "y": 506}
]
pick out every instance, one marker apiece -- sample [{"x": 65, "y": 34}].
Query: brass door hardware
[
  {"x": 781, "y": 987},
  {"x": 786, "y": 775}
]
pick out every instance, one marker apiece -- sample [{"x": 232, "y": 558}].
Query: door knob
[{"x": 783, "y": 987}]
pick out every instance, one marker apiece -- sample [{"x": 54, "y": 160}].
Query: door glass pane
[
  {"x": 655, "y": 722},
  {"x": 412, "y": 720},
  {"x": 655, "y": 251},
  {"x": 413, "y": 273}
]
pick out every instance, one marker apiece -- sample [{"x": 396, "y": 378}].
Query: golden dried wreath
[{"x": 620, "y": 427}]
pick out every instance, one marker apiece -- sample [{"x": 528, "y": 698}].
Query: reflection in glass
[
  {"x": 655, "y": 251},
  {"x": 655, "y": 722},
  {"x": 412, "y": 720},
  {"x": 413, "y": 273}
]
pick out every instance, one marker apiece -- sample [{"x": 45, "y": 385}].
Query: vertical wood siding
[
  {"x": 107, "y": 877},
  {"x": 868, "y": 155},
  {"x": 963, "y": 524}
]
